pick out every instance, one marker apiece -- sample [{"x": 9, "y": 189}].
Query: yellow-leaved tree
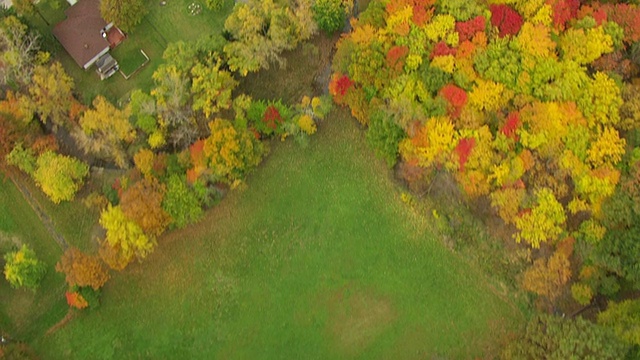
[
  {"x": 231, "y": 152},
  {"x": 608, "y": 148},
  {"x": 432, "y": 143},
  {"x": 543, "y": 222},
  {"x": 125, "y": 240},
  {"x": 143, "y": 160},
  {"x": 59, "y": 176},
  {"x": 106, "y": 130},
  {"x": 211, "y": 87},
  {"x": 547, "y": 278},
  {"x": 51, "y": 93}
]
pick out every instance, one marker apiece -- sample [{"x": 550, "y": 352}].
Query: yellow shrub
[{"x": 307, "y": 124}]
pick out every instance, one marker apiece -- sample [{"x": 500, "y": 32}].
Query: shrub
[
  {"x": 181, "y": 202},
  {"x": 384, "y": 136},
  {"x": 214, "y": 5},
  {"x": 329, "y": 15},
  {"x": 91, "y": 296}
]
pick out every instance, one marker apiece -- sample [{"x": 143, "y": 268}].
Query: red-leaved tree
[
  {"x": 506, "y": 19},
  {"x": 563, "y": 11},
  {"x": 339, "y": 86},
  {"x": 272, "y": 117},
  {"x": 442, "y": 49},
  {"x": 395, "y": 58},
  {"x": 466, "y": 29},
  {"x": 463, "y": 149},
  {"x": 456, "y": 97},
  {"x": 511, "y": 125}
]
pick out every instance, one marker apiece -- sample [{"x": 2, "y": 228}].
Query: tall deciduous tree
[
  {"x": 18, "y": 49},
  {"x": 261, "y": 30},
  {"x": 23, "y": 158},
  {"x": 624, "y": 319},
  {"x": 231, "y": 152},
  {"x": 24, "y": 7},
  {"x": 51, "y": 93},
  {"x": 330, "y": 15},
  {"x": 125, "y": 240},
  {"x": 172, "y": 96},
  {"x": 383, "y": 136},
  {"x": 211, "y": 87},
  {"x": 125, "y": 14},
  {"x": 543, "y": 222},
  {"x": 105, "y": 132},
  {"x": 143, "y": 160},
  {"x": 81, "y": 269},
  {"x": 142, "y": 203},
  {"x": 548, "y": 277},
  {"x": 59, "y": 176}
]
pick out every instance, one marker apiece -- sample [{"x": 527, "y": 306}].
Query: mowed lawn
[
  {"x": 25, "y": 314},
  {"x": 71, "y": 219},
  {"x": 317, "y": 258}
]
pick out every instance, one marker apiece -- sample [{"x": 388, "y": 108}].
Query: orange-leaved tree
[{"x": 81, "y": 269}]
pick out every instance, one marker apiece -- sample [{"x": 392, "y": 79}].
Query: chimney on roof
[{"x": 86, "y": 46}]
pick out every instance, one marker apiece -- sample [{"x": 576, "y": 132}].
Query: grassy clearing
[
  {"x": 174, "y": 22},
  {"x": 318, "y": 258},
  {"x": 72, "y": 219},
  {"x": 23, "y": 313}
]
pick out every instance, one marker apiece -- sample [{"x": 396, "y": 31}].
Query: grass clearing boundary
[{"x": 318, "y": 257}]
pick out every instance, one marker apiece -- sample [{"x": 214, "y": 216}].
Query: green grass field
[
  {"x": 24, "y": 314},
  {"x": 317, "y": 258}
]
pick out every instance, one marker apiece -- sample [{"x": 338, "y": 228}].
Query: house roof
[{"x": 80, "y": 33}]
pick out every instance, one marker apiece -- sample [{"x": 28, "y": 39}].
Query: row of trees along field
[
  {"x": 178, "y": 147},
  {"x": 528, "y": 103}
]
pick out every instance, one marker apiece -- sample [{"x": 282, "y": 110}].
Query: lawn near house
[
  {"x": 131, "y": 60},
  {"x": 174, "y": 22},
  {"x": 317, "y": 258}
]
